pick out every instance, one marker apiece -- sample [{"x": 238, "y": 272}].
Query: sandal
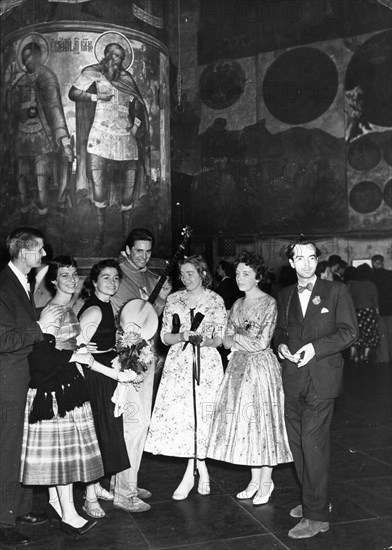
[
  {"x": 93, "y": 509},
  {"x": 102, "y": 493}
]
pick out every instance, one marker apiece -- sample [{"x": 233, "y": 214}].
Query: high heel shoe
[
  {"x": 52, "y": 513},
  {"x": 249, "y": 492},
  {"x": 76, "y": 532},
  {"x": 204, "y": 487},
  {"x": 182, "y": 494},
  {"x": 263, "y": 500}
]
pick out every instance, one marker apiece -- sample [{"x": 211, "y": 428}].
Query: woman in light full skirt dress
[
  {"x": 248, "y": 426},
  {"x": 180, "y": 399}
]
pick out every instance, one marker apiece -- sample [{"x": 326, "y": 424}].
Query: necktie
[{"x": 309, "y": 286}]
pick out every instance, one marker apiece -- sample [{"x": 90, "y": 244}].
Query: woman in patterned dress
[
  {"x": 248, "y": 424},
  {"x": 172, "y": 428},
  {"x": 365, "y": 297}
]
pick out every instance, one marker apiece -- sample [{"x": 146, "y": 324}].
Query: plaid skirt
[{"x": 61, "y": 450}]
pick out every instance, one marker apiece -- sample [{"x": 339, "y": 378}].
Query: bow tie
[{"x": 309, "y": 286}]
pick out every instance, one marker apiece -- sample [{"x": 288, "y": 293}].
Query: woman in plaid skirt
[{"x": 60, "y": 445}]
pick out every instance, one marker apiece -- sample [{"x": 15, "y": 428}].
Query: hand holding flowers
[{"x": 134, "y": 356}]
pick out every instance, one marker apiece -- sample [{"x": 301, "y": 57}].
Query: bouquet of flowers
[{"x": 134, "y": 358}]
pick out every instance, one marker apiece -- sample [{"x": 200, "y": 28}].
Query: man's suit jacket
[
  {"x": 18, "y": 332},
  {"x": 329, "y": 324}
]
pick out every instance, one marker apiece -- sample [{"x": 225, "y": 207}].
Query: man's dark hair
[
  {"x": 22, "y": 237},
  {"x": 334, "y": 259},
  {"x": 139, "y": 234},
  {"x": 378, "y": 258},
  {"x": 302, "y": 241}
]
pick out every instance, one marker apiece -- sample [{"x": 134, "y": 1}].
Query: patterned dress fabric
[
  {"x": 248, "y": 425},
  {"x": 369, "y": 333},
  {"x": 62, "y": 450},
  {"x": 172, "y": 428}
]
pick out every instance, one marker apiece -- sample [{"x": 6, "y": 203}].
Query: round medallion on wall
[
  {"x": 222, "y": 83},
  {"x": 365, "y": 197},
  {"x": 387, "y": 193},
  {"x": 300, "y": 85},
  {"x": 364, "y": 154}
]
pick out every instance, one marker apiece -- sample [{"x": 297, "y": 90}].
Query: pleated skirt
[{"x": 61, "y": 450}]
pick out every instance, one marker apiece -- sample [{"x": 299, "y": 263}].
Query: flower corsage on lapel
[{"x": 316, "y": 300}]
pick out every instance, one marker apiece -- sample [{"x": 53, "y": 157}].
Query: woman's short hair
[
  {"x": 54, "y": 266},
  {"x": 92, "y": 277},
  {"x": 254, "y": 261},
  {"x": 201, "y": 267}
]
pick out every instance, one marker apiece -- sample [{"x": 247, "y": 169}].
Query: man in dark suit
[
  {"x": 19, "y": 329},
  {"x": 227, "y": 286},
  {"x": 316, "y": 322}
]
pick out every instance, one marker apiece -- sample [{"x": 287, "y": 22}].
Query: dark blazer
[
  {"x": 330, "y": 324},
  {"x": 18, "y": 327},
  {"x": 18, "y": 332}
]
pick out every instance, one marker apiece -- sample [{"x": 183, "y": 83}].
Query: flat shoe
[
  {"x": 249, "y": 492},
  {"x": 143, "y": 493},
  {"x": 102, "y": 493},
  {"x": 132, "y": 504},
  {"x": 93, "y": 509},
  {"x": 308, "y": 528},
  {"x": 258, "y": 500},
  {"x": 31, "y": 519},
  {"x": 10, "y": 538}
]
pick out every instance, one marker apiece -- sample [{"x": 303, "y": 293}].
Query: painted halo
[
  {"x": 110, "y": 37},
  {"x": 37, "y": 39}
]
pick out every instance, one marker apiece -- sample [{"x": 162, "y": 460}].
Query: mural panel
[
  {"x": 303, "y": 145},
  {"x": 368, "y": 92},
  {"x": 85, "y": 143},
  {"x": 285, "y": 172}
]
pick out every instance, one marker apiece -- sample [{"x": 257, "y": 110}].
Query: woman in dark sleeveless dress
[{"x": 98, "y": 326}]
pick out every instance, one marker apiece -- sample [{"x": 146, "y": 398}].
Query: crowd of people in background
[{"x": 268, "y": 353}]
